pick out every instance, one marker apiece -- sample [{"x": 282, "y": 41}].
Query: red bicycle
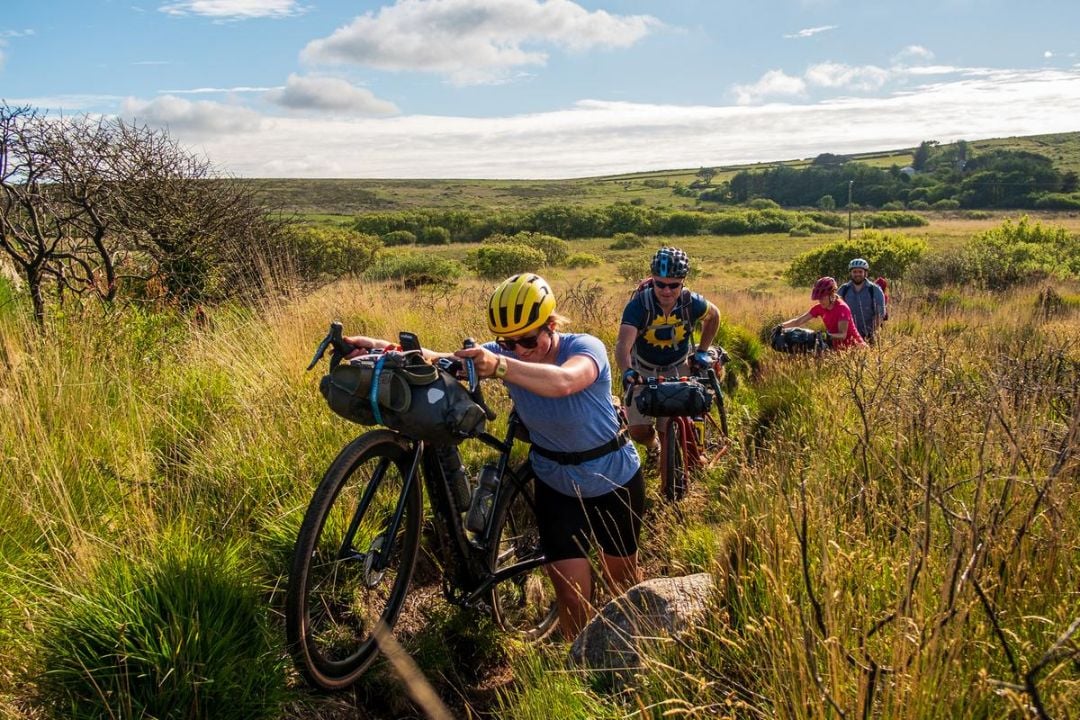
[{"x": 692, "y": 422}]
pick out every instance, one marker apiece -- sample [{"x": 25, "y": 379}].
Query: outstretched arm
[
  {"x": 795, "y": 322},
  {"x": 709, "y": 325},
  {"x": 574, "y": 375},
  {"x": 624, "y": 345}
]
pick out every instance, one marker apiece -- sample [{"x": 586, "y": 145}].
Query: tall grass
[{"x": 895, "y": 534}]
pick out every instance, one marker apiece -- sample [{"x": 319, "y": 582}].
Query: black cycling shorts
[{"x": 569, "y": 525}]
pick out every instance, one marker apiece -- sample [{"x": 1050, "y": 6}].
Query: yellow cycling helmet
[{"x": 519, "y": 304}]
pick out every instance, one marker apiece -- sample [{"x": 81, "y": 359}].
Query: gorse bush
[
  {"x": 1015, "y": 252},
  {"x": 181, "y": 633},
  {"x": 433, "y": 235},
  {"x": 888, "y": 255},
  {"x": 579, "y": 260},
  {"x": 414, "y": 269},
  {"x": 893, "y": 219},
  {"x": 330, "y": 252},
  {"x": 555, "y": 250},
  {"x": 627, "y": 241},
  {"x": 500, "y": 261},
  {"x": 399, "y": 237}
]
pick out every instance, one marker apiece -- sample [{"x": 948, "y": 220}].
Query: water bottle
[
  {"x": 483, "y": 499},
  {"x": 456, "y": 479}
]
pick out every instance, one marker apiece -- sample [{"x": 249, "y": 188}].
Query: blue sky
[{"x": 545, "y": 88}]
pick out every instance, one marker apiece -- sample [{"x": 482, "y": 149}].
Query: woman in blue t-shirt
[{"x": 591, "y": 487}]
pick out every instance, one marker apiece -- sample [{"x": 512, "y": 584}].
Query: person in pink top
[{"x": 834, "y": 313}]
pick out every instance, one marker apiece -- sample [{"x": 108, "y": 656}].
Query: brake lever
[
  {"x": 335, "y": 339},
  {"x": 474, "y": 382}
]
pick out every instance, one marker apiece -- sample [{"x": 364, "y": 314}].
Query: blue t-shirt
[
  {"x": 575, "y": 423},
  {"x": 663, "y": 339}
]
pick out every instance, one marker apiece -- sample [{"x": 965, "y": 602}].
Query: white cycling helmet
[{"x": 858, "y": 263}]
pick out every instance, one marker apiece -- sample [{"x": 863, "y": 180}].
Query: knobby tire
[{"x": 337, "y": 594}]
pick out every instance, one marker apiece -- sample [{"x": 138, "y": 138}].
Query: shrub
[
  {"x": 500, "y": 261},
  {"x": 399, "y": 237},
  {"x": 763, "y": 204},
  {"x": 683, "y": 223},
  {"x": 945, "y": 204},
  {"x": 888, "y": 255},
  {"x": 893, "y": 219},
  {"x": 1058, "y": 201},
  {"x": 1012, "y": 253},
  {"x": 626, "y": 241},
  {"x": 634, "y": 269},
  {"x": 893, "y": 205},
  {"x": 554, "y": 250},
  {"x": 826, "y": 202},
  {"x": 433, "y": 235},
  {"x": 655, "y": 183},
  {"x": 415, "y": 269},
  {"x": 583, "y": 259},
  {"x": 330, "y": 251},
  {"x": 918, "y": 205},
  {"x": 181, "y": 634}
]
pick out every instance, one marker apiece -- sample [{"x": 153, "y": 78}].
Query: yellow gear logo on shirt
[{"x": 665, "y": 331}]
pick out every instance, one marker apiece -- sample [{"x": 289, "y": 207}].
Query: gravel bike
[
  {"x": 357, "y": 547},
  {"x": 688, "y": 441}
]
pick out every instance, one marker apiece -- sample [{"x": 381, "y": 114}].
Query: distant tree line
[
  {"x": 568, "y": 222},
  {"x": 942, "y": 177}
]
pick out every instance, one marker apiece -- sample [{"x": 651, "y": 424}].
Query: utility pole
[{"x": 849, "y": 185}]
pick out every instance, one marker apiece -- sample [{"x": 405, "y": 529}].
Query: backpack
[
  {"x": 404, "y": 392},
  {"x": 684, "y": 305}
]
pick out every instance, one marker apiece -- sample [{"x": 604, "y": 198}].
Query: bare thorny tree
[{"x": 88, "y": 203}]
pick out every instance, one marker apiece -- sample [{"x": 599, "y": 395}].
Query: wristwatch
[{"x": 501, "y": 366}]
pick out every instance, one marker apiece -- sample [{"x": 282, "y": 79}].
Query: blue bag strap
[{"x": 373, "y": 396}]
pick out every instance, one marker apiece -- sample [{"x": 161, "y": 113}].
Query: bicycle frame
[{"x": 467, "y": 578}]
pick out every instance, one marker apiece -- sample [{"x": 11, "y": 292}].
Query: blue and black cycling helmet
[
  {"x": 858, "y": 263},
  {"x": 670, "y": 262}
]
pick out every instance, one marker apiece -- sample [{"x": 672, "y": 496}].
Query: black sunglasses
[
  {"x": 666, "y": 286},
  {"x": 511, "y": 343}
]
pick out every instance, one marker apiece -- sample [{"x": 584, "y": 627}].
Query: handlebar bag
[
  {"x": 796, "y": 340},
  {"x": 676, "y": 397},
  {"x": 405, "y": 393}
]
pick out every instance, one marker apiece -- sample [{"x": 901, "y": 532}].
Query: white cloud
[
  {"x": 473, "y": 41},
  {"x": 15, "y": 33},
  {"x": 848, "y": 77},
  {"x": 234, "y": 9},
  {"x": 184, "y": 117},
  {"x": 809, "y": 32},
  {"x": 596, "y": 137},
  {"x": 774, "y": 83},
  {"x": 1048, "y": 54},
  {"x": 913, "y": 53},
  {"x": 332, "y": 94}
]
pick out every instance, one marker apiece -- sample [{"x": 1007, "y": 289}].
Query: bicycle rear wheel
[
  {"x": 675, "y": 475},
  {"x": 353, "y": 559},
  {"x": 525, "y": 602}
]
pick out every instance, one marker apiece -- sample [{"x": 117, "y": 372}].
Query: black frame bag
[
  {"x": 404, "y": 392},
  {"x": 673, "y": 398},
  {"x": 797, "y": 340}
]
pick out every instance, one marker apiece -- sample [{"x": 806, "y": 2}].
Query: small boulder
[{"x": 654, "y": 608}]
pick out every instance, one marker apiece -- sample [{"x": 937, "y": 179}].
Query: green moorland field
[
  {"x": 337, "y": 197},
  {"x": 895, "y": 534}
]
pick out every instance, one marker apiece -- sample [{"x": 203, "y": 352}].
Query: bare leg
[
  {"x": 573, "y": 590},
  {"x": 620, "y": 573}
]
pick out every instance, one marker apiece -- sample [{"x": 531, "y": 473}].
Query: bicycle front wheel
[
  {"x": 524, "y": 603},
  {"x": 675, "y": 480},
  {"x": 353, "y": 559}
]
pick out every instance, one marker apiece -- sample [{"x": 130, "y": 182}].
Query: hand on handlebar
[
  {"x": 703, "y": 359},
  {"x": 631, "y": 377}
]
